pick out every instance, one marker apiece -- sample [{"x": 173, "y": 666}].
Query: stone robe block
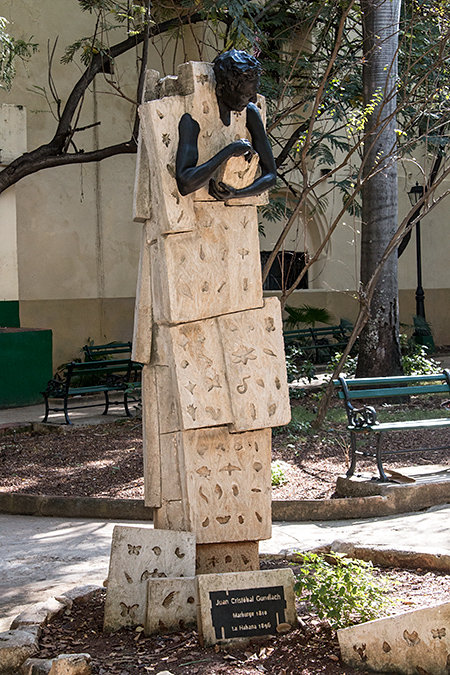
[
  {"x": 228, "y": 370},
  {"x": 224, "y": 492},
  {"x": 171, "y": 605},
  {"x": 238, "y": 606},
  {"x": 213, "y": 269},
  {"x": 137, "y": 555}
]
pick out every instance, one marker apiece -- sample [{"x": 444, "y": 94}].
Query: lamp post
[{"x": 415, "y": 194}]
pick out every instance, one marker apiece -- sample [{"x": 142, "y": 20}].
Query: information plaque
[{"x": 247, "y": 612}]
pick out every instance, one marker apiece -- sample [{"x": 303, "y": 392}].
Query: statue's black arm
[{"x": 191, "y": 177}]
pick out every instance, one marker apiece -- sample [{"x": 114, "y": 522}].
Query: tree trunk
[{"x": 379, "y": 350}]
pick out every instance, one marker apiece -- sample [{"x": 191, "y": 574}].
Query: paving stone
[
  {"x": 16, "y": 646},
  {"x": 238, "y": 606},
  {"x": 71, "y": 664},
  {"x": 40, "y": 613},
  {"x": 409, "y": 643},
  {"x": 139, "y": 554},
  {"x": 80, "y": 595},
  {"x": 171, "y": 605},
  {"x": 35, "y": 666}
]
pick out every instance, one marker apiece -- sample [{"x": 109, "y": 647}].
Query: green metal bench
[
  {"x": 363, "y": 420},
  {"x": 112, "y": 350},
  {"x": 320, "y": 343},
  {"x": 93, "y": 377}
]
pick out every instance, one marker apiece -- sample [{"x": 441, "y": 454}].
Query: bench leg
[
  {"x": 105, "y": 412},
  {"x": 352, "y": 466},
  {"x": 383, "y": 478},
  {"x": 125, "y": 404},
  {"x": 66, "y": 412},
  {"x": 46, "y": 409}
]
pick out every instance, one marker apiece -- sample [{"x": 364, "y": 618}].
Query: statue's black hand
[
  {"x": 242, "y": 147},
  {"x": 220, "y": 191}
]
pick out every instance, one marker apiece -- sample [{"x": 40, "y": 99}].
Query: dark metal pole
[{"x": 420, "y": 295}]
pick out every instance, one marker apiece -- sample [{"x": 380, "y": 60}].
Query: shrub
[
  {"x": 278, "y": 475},
  {"x": 342, "y": 590}
]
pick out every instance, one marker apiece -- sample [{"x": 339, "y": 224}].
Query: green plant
[
  {"x": 278, "y": 475},
  {"x": 343, "y": 591},
  {"x": 414, "y": 360},
  {"x": 298, "y": 366},
  {"x": 306, "y": 315}
]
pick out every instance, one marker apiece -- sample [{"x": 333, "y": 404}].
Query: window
[{"x": 285, "y": 268}]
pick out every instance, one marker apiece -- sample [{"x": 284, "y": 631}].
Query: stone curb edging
[
  {"x": 19, "y": 644},
  {"x": 400, "y": 499}
]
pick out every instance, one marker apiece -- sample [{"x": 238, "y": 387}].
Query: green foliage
[
  {"x": 298, "y": 366},
  {"x": 342, "y": 590},
  {"x": 306, "y": 315},
  {"x": 277, "y": 473},
  {"x": 414, "y": 360},
  {"x": 11, "y": 50}
]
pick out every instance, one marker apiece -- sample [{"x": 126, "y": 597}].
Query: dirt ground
[
  {"x": 311, "y": 649},
  {"x": 106, "y": 461}
]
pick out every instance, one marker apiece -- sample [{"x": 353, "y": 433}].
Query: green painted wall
[
  {"x": 25, "y": 365},
  {"x": 9, "y": 313}
]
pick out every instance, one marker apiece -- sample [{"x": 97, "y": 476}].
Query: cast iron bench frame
[
  {"x": 322, "y": 342},
  {"x": 111, "y": 351},
  {"x": 115, "y": 373},
  {"x": 363, "y": 420}
]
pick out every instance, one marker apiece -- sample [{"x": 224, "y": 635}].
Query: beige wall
[
  {"x": 74, "y": 322},
  {"x": 75, "y": 266}
]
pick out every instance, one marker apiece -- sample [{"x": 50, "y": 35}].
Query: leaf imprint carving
[
  {"x": 128, "y": 578},
  {"x": 203, "y": 496},
  {"x": 168, "y": 599},
  {"x": 218, "y": 490},
  {"x": 269, "y": 352},
  {"x": 204, "y": 472},
  {"x": 156, "y": 550},
  {"x": 223, "y": 520},
  {"x": 179, "y": 553}
]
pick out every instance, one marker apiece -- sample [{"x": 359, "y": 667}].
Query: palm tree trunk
[{"x": 379, "y": 351}]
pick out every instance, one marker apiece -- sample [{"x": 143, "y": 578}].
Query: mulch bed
[{"x": 311, "y": 649}]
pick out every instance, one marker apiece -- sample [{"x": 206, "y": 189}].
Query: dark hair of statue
[{"x": 235, "y": 66}]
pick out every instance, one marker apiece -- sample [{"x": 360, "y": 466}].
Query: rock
[
  {"x": 164, "y": 672},
  {"x": 71, "y": 664},
  {"x": 16, "y": 646},
  {"x": 80, "y": 595},
  {"x": 36, "y": 667},
  {"x": 40, "y": 613}
]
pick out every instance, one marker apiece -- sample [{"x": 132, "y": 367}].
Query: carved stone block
[
  {"x": 212, "y": 270},
  {"x": 413, "y": 642},
  {"x": 139, "y": 554},
  {"x": 256, "y": 368},
  {"x": 171, "y": 605},
  {"x": 241, "y": 556}
]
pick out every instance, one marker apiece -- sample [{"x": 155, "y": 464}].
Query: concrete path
[{"x": 43, "y": 557}]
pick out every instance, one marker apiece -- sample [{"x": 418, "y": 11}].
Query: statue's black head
[{"x": 235, "y": 66}]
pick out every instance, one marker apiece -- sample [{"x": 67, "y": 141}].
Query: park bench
[
  {"x": 92, "y": 377},
  {"x": 363, "y": 420},
  {"x": 112, "y": 350},
  {"x": 319, "y": 343}
]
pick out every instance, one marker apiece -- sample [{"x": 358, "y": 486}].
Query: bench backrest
[
  {"x": 101, "y": 352},
  {"x": 402, "y": 385}
]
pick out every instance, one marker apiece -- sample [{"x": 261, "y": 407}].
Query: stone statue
[{"x": 214, "y": 379}]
